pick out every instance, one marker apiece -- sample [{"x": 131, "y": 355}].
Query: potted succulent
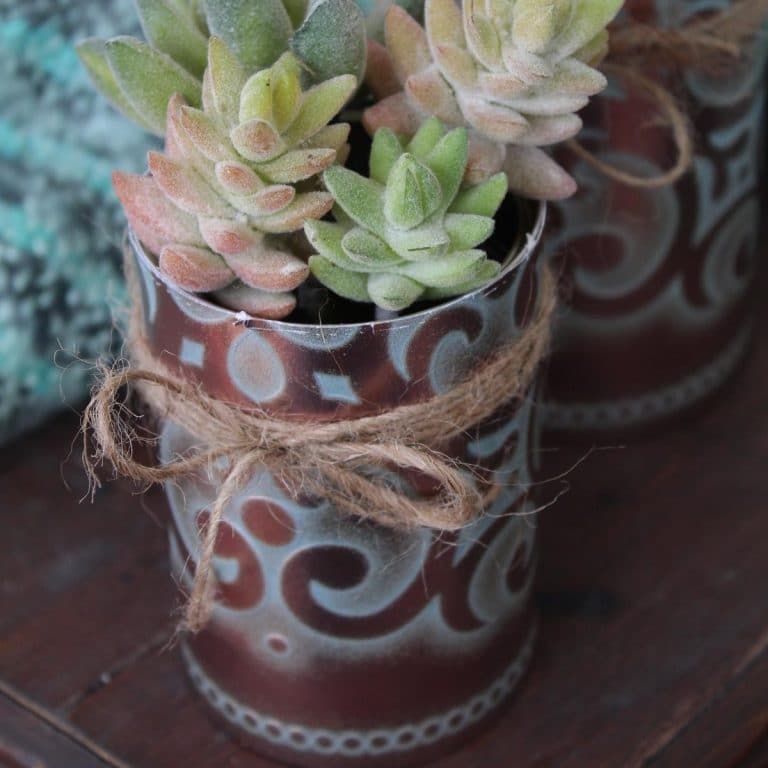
[{"x": 340, "y": 361}]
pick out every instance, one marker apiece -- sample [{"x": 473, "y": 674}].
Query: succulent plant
[
  {"x": 236, "y": 178},
  {"x": 139, "y": 78},
  {"x": 514, "y": 71},
  {"x": 410, "y": 231}
]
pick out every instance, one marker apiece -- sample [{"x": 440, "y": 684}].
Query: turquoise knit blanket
[{"x": 60, "y": 225}]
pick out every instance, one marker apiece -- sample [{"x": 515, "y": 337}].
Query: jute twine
[
  {"x": 711, "y": 44},
  {"x": 344, "y": 462}
]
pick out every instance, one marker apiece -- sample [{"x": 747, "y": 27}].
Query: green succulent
[
  {"x": 409, "y": 232},
  {"x": 139, "y": 78},
  {"x": 236, "y": 179}
]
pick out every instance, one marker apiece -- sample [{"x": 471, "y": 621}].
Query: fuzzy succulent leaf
[
  {"x": 409, "y": 229},
  {"x": 194, "y": 269},
  {"x": 454, "y": 269},
  {"x": 385, "y": 151},
  {"x": 273, "y": 271},
  {"x": 535, "y": 25},
  {"x": 285, "y": 90},
  {"x": 257, "y": 31},
  {"x": 244, "y": 298},
  {"x": 426, "y": 138},
  {"x": 412, "y": 193},
  {"x": 486, "y": 272},
  {"x": 367, "y": 250},
  {"x": 334, "y": 136},
  {"x": 514, "y": 72},
  {"x": 533, "y": 170},
  {"x": 343, "y": 282},
  {"x": 257, "y": 141},
  {"x": 266, "y": 201},
  {"x": 325, "y": 237},
  {"x": 237, "y": 178},
  {"x": 256, "y": 98},
  {"x": 228, "y": 237},
  {"x": 221, "y": 202},
  {"x": 328, "y": 240},
  {"x": 297, "y": 165},
  {"x": 201, "y": 131},
  {"x": 148, "y": 79},
  {"x": 429, "y": 241},
  {"x": 154, "y": 218},
  {"x": 467, "y": 230},
  {"x": 184, "y": 186},
  {"x": 319, "y": 104},
  {"x": 332, "y": 39},
  {"x": 393, "y": 292},
  {"x": 172, "y": 29},
  {"x": 225, "y": 80},
  {"x": 93, "y": 55},
  {"x": 308, "y": 205},
  {"x": 587, "y": 23},
  {"x": 483, "y": 199},
  {"x": 360, "y": 198},
  {"x": 448, "y": 160}
]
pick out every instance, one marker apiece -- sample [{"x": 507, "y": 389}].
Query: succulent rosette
[
  {"x": 514, "y": 71},
  {"x": 140, "y": 77},
  {"x": 409, "y": 232},
  {"x": 237, "y": 178}
]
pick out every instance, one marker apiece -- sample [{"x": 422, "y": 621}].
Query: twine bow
[
  {"x": 344, "y": 462},
  {"x": 705, "y": 45}
]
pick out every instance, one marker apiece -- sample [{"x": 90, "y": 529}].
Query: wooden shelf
[{"x": 653, "y": 646}]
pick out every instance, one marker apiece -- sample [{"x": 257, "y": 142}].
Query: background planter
[
  {"x": 659, "y": 282},
  {"x": 335, "y": 642}
]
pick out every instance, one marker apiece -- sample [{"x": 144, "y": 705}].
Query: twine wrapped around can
[
  {"x": 344, "y": 462},
  {"x": 710, "y": 44}
]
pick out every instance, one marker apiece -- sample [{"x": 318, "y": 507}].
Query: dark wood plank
[
  {"x": 758, "y": 756},
  {"x": 81, "y": 585},
  {"x": 732, "y": 730},
  {"x": 151, "y": 717},
  {"x": 30, "y": 738}
]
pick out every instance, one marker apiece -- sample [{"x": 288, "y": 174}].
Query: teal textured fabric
[{"x": 60, "y": 224}]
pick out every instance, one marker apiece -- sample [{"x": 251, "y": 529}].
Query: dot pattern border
[
  {"x": 628, "y": 412},
  {"x": 352, "y": 743}
]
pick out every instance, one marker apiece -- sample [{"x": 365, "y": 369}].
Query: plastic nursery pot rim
[{"x": 529, "y": 241}]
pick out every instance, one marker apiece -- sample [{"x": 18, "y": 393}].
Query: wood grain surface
[{"x": 653, "y": 589}]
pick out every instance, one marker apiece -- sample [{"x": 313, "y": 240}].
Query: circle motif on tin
[{"x": 255, "y": 368}]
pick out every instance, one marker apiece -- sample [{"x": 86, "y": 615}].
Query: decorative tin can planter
[
  {"x": 658, "y": 281},
  {"x": 333, "y": 641}
]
